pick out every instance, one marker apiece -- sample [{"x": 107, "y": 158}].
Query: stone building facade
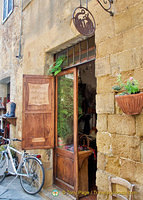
[
  {"x": 10, "y": 31},
  {"x": 47, "y": 28},
  {"x": 119, "y": 138}
]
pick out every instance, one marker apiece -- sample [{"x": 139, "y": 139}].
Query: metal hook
[
  {"x": 105, "y": 2},
  {"x": 87, "y": 4}
]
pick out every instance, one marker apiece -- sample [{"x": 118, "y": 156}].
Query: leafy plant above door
[{"x": 56, "y": 68}]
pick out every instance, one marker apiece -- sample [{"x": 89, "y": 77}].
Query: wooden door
[
  {"x": 38, "y": 112},
  {"x": 65, "y": 156}
]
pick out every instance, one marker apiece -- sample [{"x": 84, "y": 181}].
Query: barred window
[{"x": 79, "y": 53}]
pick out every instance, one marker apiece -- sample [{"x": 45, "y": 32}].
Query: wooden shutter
[{"x": 38, "y": 112}]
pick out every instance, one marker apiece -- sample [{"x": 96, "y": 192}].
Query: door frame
[{"x": 75, "y": 129}]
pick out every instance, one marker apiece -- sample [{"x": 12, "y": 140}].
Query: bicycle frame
[
  {"x": 11, "y": 160},
  {"x": 29, "y": 166}
]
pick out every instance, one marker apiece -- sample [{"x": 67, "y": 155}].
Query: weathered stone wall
[
  {"x": 119, "y": 42},
  {"x": 9, "y": 48}
]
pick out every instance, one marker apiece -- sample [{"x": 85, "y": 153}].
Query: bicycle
[{"x": 30, "y": 168}]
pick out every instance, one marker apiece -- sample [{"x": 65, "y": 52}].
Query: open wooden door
[
  {"x": 38, "y": 122},
  {"x": 38, "y": 112},
  {"x": 66, "y": 153}
]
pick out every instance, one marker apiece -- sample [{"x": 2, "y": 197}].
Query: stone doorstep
[{"x": 47, "y": 194}]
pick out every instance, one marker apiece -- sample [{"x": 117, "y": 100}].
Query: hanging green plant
[
  {"x": 131, "y": 99},
  {"x": 56, "y": 68}
]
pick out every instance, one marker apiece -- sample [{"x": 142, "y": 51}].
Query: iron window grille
[{"x": 79, "y": 53}]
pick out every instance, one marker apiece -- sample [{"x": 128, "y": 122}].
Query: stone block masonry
[{"x": 119, "y": 137}]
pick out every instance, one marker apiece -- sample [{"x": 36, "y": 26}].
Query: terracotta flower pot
[{"x": 130, "y": 104}]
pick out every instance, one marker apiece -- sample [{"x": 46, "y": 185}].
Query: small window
[
  {"x": 79, "y": 53},
  {"x": 7, "y": 9}
]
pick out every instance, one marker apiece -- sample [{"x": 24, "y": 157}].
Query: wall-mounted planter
[{"x": 130, "y": 104}]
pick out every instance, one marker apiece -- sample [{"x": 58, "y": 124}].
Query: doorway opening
[
  {"x": 75, "y": 150},
  {"x": 87, "y": 119},
  {"x": 4, "y": 99}
]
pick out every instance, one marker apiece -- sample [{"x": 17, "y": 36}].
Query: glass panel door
[
  {"x": 65, "y": 153},
  {"x": 65, "y": 112}
]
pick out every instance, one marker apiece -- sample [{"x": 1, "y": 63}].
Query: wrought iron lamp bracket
[{"x": 108, "y": 3}]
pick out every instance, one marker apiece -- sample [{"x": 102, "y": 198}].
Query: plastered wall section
[
  {"x": 3, "y": 90},
  {"x": 119, "y": 43},
  {"x": 9, "y": 48}
]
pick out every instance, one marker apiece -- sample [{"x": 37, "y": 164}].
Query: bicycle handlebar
[
  {"x": 1, "y": 137},
  {"x": 14, "y": 139}
]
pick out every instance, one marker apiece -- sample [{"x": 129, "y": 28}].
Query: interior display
[
  {"x": 11, "y": 106},
  {"x": 5, "y": 107},
  {"x": 86, "y": 99},
  {"x": 87, "y": 124}
]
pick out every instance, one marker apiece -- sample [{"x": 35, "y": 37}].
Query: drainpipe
[{"x": 19, "y": 54}]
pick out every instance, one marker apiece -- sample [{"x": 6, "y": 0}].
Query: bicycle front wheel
[
  {"x": 33, "y": 177},
  {"x": 2, "y": 166}
]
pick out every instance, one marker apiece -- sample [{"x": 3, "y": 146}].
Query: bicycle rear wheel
[
  {"x": 34, "y": 181},
  {"x": 2, "y": 166}
]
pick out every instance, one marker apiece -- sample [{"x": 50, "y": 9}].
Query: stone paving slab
[
  {"x": 15, "y": 191},
  {"x": 48, "y": 194},
  {"x": 2, "y": 190}
]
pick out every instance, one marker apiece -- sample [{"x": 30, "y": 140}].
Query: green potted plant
[
  {"x": 130, "y": 100},
  {"x": 56, "y": 68}
]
